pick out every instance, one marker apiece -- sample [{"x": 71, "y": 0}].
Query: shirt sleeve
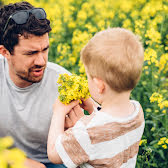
[{"x": 74, "y": 145}]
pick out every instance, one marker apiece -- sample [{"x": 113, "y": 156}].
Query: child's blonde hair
[{"x": 116, "y": 56}]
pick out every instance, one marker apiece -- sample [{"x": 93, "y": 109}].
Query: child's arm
[{"x": 57, "y": 127}]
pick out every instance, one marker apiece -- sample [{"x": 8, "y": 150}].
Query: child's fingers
[{"x": 87, "y": 105}]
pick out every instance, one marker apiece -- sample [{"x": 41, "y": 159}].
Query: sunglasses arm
[{"x": 7, "y": 23}]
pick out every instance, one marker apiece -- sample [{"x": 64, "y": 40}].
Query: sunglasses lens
[
  {"x": 39, "y": 13},
  {"x": 20, "y": 17}
]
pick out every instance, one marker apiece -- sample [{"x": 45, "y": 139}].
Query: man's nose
[{"x": 40, "y": 59}]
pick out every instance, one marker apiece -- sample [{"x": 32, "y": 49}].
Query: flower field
[{"x": 74, "y": 22}]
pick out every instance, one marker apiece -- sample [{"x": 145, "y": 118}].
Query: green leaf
[{"x": 161, "y": 154}]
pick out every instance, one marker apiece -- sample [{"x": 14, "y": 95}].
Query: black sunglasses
[{"x": 21, "y": 17}]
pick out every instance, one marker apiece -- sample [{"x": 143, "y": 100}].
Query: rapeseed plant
[{"x": 72, "y": 87}]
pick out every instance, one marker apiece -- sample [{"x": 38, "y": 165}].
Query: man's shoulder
[
  {"x": 56, "y": 68},
  {"x": 1, "y": 57},
  {"x": 1, "y": 62}
]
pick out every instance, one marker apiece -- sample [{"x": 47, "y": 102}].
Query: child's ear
[
  {"x": 4, "y": 51},
  {"x": 100, "y": 85}
]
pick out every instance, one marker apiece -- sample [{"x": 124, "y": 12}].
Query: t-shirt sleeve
[{"x": 74, "y": 145}]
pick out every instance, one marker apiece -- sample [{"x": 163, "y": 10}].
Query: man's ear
[
  {"x": 4, "y": 51},
  {"x": 100, "y": 85}
]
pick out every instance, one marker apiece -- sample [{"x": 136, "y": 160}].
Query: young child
[{"x": 108, "y": 138}]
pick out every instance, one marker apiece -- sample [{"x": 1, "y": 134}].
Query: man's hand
[
  {"x": 60, "y": 108},
  {"x": 73, "y": 116},
  {"x": 29, "y": 163}
]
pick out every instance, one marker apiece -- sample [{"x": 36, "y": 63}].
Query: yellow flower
[
  {"x": 156, "y": 97},
  {"x": 6, "y": 142},
  {"x": 147, "y": 73},
  {"x": 13, "y": 158},
  {"x": 164, "y": 146},
  {"x": 143, "y": 142},
  {"x": 127, "y": 23},
  {"x": 153, "y": 129},
  {"x": 164, "y": 111},
  {"x": 153, "y": 35},
  {"x": 148, "y": 110},
  {"x": 163, "y": 104},
  {"x": 82, "y": 15},
  {"x": 163, "y": 62},
  {"x": 72, "y": 88},
  {"x": 166, "y": 141},
  {"x": 72, "y": 24},
  {"x": 160, "y": 142},
  {"x": 163, "y": 139},
  {"x": 150, "y": 55}
]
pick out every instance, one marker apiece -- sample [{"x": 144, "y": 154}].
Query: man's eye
[
  {"x": 29, "y": 54},
  {"x": 45, "y": 49},
  {"x": 32, "y": 53}
]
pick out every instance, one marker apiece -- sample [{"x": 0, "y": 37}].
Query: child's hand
[
  {"x": 73, "y": 116},
  {"x": 63, "y": 109},
  {"x": 87, "y": 105}
]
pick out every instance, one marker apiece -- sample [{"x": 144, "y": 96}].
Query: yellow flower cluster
[
  {"x": 143, "y": 142},
  {"x": 163, "y": 104},
  {"x": 153, "y": 35},
  {"x": 163, "y": 142},
  {"x": 156, "y": 97},
  {"x": 150, "y": 55},
  {"x": 72, "y": 87},
  {"x": 163, "y": 63},
  {"x": 10, "y": 158}
]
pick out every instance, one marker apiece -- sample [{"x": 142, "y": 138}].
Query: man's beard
[{"x": 29, "y": 78}]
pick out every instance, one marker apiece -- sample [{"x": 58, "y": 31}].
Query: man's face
[{"x": 28, "y": 62}]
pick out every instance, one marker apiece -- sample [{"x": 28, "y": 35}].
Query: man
[{"x": 28, "y": 84}]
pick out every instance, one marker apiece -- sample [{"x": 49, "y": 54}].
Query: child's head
[{"x": 115, "y": 56}]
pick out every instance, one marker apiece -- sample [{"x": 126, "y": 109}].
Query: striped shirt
[{"x": 100, "y": 140}]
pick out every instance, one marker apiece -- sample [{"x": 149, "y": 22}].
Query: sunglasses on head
[{"x": 21, "y": 17}]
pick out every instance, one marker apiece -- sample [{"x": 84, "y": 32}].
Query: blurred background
[{"x": 74, "y": 22}]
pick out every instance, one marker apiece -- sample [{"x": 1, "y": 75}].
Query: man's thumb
[{"x": 73, "y": 104}]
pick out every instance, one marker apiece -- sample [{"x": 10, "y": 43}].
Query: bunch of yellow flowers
[
  {"x": 10, "y": 158},
  {"x": 72, "y": 87},
  {"x": 163, "y": 142}
]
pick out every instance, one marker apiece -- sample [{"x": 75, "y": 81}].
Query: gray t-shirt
[{"x": 25, "y": 113}]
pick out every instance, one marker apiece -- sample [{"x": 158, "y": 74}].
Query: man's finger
[
  {"x": 68, "y": 122},
  {"x": 72, "y": 104},
  {"x": 78, "y": 112},
  {"x": 72, "y": 116}
]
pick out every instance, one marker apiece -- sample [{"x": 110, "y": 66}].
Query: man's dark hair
[{"x": 34, "y": 26}]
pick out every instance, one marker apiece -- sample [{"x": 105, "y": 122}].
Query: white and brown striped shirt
[{"x": 100, "y": 140}]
